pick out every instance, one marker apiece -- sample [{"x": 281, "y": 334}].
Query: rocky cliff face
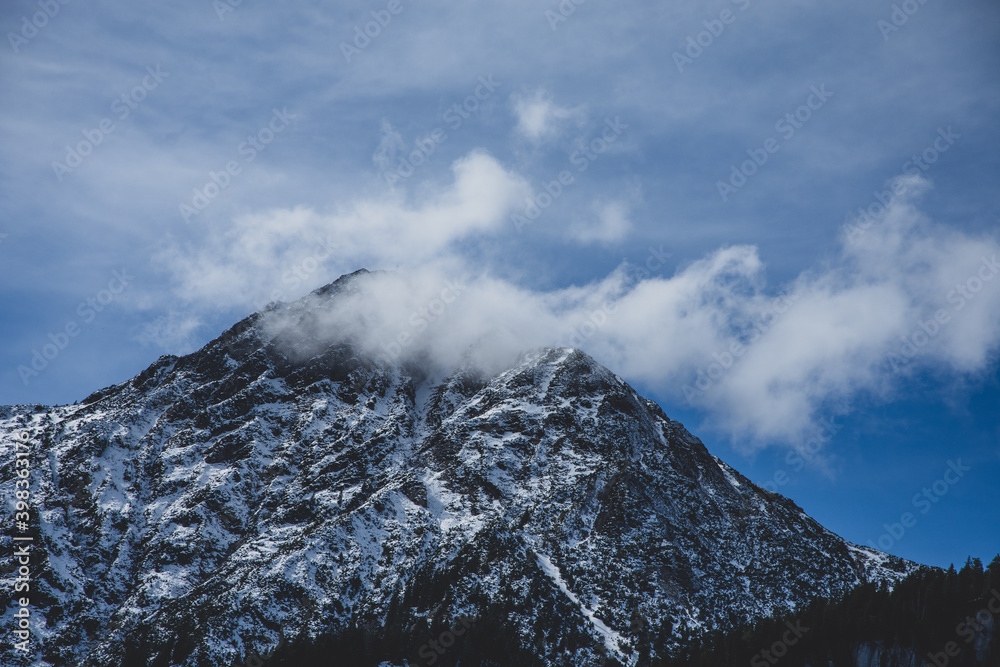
[{"x": 275, "y": 497}]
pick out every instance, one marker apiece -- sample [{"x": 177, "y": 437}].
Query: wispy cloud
[
  {"x": 173, "y": 331},
  {"x": 315, "y": 204},
  {"x": 776, "y": 358},
  {"x": 611, "y": 220},
  {"x": 612, "y": 223},
  {"x": 388, "y": 148},
  {"x": 244, "y": 262},
  {"x": 539, "y": 117}
]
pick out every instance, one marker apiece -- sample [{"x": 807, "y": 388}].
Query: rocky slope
[{"x": 272, "y": 497}]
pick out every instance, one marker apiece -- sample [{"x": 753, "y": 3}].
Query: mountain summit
[{"x": 281, "y": 496}]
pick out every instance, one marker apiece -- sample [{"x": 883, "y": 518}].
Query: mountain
[{"x": 280, "y": 497}]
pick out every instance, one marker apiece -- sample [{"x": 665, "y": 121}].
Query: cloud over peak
[{"x": 766, "y": 362}]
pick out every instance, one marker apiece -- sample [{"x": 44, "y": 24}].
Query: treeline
[
  {"x": 443, "y": 636},
  {"x": 943, "y": 617}
]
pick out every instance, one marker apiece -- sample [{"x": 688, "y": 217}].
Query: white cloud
[
  {"x": 846, "y": 330},
  {"x": 172, "y": 331},
  {"x": 611, "y": 223},
  {"x": 287, "y": 250},
  {"x": 764, "y": 363},
  {"x": 388, "y": 147},
  {"x": 538, "y": 117}
]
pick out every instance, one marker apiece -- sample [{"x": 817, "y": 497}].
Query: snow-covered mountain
[{"x": 260, "y": 502}]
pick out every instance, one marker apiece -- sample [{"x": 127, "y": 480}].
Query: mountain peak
[
  {"x": 264, "y": 483},
  {"x": 342, "y": 282}
]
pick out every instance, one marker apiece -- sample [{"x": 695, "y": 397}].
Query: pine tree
[{"x": 993, "y": 574}]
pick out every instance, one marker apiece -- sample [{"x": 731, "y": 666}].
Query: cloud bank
[{"x": 900, "y": 295}]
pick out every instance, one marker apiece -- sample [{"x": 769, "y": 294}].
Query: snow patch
[{"x": 612, "y": 640}]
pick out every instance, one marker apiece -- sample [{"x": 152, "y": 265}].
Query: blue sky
[{"x": 674, "y": 188}]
